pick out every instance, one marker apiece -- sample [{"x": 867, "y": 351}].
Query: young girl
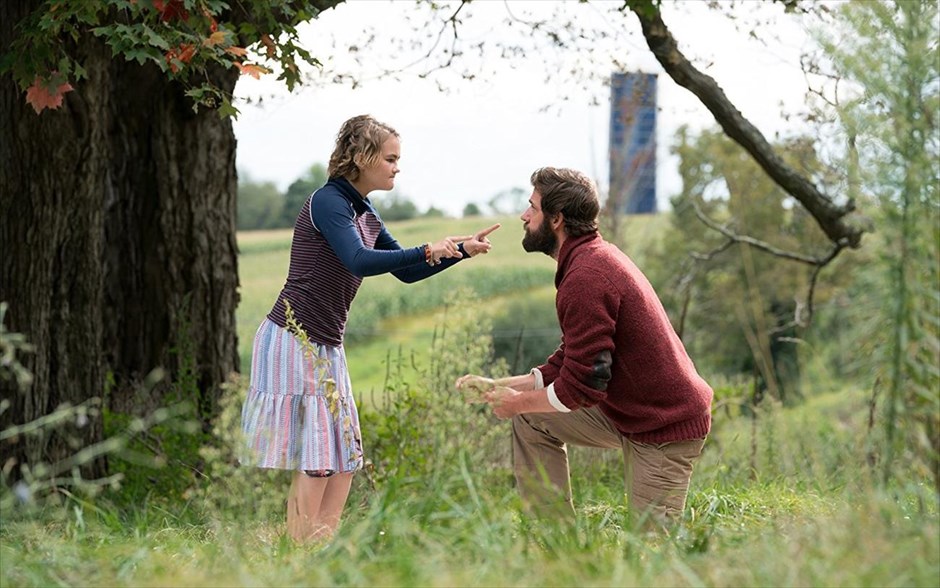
[{"x": 300, "y": 414}]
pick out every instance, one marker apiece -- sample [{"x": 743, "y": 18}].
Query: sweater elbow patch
[{"x": 600, "y": 371}]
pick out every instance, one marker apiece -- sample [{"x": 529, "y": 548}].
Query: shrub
[{"x": 424, "y": 426}]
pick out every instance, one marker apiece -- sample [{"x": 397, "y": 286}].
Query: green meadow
[{"x": 783, "y": 496}]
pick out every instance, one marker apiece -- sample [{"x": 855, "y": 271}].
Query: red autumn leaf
[
  {"x": 216, "y": 38},
  {"x": 40, "y": 97},
  {"x": 181, "y": 54},
  {"x": 186, "y": 52},
  {"x": 170, "y": 9},
  {"x": 237, "y": 51},
  {"x": 252, "y": 70},
  {"x": 172, "y": 57},
  {"x": 268, "y": 44}
]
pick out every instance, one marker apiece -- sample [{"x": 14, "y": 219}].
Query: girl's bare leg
[
  {"x": 332, "y": 504},
  {"x": 303, "y": 504},
  {"x": 315, "y": 505}
]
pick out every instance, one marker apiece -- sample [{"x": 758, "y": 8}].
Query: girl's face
[{"x": 381, "y": 174}]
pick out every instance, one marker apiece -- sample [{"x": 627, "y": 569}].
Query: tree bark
[
  {"x": 52, "y": 182},
  {"x": 834, "y": 219},
  {"x": 170, "y": 264},
  {"x": 118, "y": 241}
]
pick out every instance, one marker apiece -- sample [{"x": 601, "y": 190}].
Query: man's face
[{"x": 539, "y": 235}]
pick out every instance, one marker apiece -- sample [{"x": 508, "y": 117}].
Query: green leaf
[
  {"x": 154, "y": 39},
  {"x": 65, "y": 66},
  {"x": 227, "y": 109},
  {"x": 196, "y": 93},
  {"x": 139, "y": 55},
  {"x": 7, "y": 60}
]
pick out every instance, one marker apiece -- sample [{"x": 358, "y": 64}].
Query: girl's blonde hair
[{"x": 358, "y": 145}]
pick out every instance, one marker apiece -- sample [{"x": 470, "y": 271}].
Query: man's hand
[
  {"x": 502, "y": 399},
  {"x": 479, "y": 243},
  {"x": 476, "y": 384},
  {"x": 506, "y": 396},
  {"x": 486, "y": 390}
]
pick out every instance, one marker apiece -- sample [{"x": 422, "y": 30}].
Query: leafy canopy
[{"x": 184, "y": 38}]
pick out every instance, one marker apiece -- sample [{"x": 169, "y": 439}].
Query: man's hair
[
  {"x": 571, "y": 193},
  {"x": 358, "y": 145}
]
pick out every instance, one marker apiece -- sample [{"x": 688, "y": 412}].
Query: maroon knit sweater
[{"x": 619, "y": 350}]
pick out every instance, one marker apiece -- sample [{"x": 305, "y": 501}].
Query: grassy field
[
  {"x": 781, "y": 496},
  {"x": 800, "y": 511}
]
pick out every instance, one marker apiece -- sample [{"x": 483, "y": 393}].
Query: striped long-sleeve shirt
[{"x": 339, "y": 238}]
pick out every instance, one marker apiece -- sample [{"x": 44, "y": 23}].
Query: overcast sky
[{"x": 488, "y": 135}]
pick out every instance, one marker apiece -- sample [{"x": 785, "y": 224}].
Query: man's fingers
[
  {"x": 482, "y": 234},
  {"x": 477, "y": 396},
  {"x": 474, "y": 382},
  {"x": 461, "y": 238}
]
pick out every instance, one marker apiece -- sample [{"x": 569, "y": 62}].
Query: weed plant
[{"x": 422, "y": 425}]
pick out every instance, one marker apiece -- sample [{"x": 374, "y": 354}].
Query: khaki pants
[{"x": 657, "y": 475}]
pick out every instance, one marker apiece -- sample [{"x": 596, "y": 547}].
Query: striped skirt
[{"x": 300, "y": 413}]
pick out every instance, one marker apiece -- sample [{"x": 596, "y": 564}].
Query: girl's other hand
[{"x": 447, "y": 247}]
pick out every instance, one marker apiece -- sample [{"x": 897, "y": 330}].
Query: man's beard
[{"x": 542, "y": 240}]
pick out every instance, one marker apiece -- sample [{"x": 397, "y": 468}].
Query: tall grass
[
  {"x": 782, "y": 496},
  {"x": 456, "y": 522}
]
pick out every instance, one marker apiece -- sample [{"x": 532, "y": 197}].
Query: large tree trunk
[
  {"x": 52, "y": 184},
  {"x": 170, "y": 275},
  {"x": 117, "y": 240}
]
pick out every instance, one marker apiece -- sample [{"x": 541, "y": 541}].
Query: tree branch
[
  {"x": 818, "y": 262},
  {"x": 763, "y": 246},
  {"x": 832, "y": 218},
  {"x": 450, "y": 22}
]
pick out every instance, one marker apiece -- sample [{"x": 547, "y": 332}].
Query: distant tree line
[{"x": 261, "y": 205}]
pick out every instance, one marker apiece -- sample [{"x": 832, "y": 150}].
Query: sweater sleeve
[
  {"x": 588, "y": 306},
  {"x": 552, "y": 366},
  {"x": 335, "y": 219}
]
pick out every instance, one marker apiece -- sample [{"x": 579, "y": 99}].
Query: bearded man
[{"x": 620, "y": 379}]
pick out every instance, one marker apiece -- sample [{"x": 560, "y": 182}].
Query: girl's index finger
[{"x": 486, "y": 232}]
